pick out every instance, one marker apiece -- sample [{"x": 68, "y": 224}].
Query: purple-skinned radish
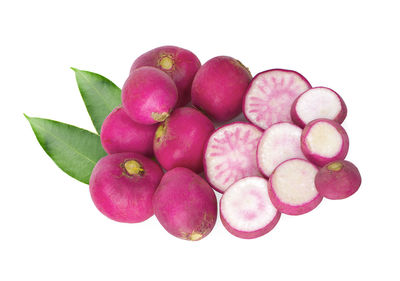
[
  {"x": 219, "y": 86},
  {"x": 292, "y": 189},
  {"x": 230, "y": 154},
  {"x": 338, "y": 180},
  {"x": 279, "y": 142},
  {"x": 149, "y": 95},
  {"x": 324, "y": 141},
  {"x": 119, "y": 133},
  {"x": 318, "y": 102},
  {"x": 185, "y": 204},
  {"x": 246, "y": 210},
  {"x": 180, "y": 64},
  {"x": 270, "y": 96},
  {"x": 179, "y": 141}
]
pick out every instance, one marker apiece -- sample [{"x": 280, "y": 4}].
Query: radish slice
[
  {"x": 278, "y": 143},
  {"x": 230, "y": 155},
  {"x": 319, "y": 102},
  {"x": 270, "y": 96},
  {"x": 246, "y": 210},
  {"x": 291, "y": 187},
  {"x": 324, "y": 141}
]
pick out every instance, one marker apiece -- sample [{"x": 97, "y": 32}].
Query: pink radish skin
[
  {"x": 279, "y": 142},
  {"x": 338, "y": 180},
  {"x": 219, "y": 86},
  {"x": 122, "y": 186},
  {"x": 180, "y": 140},
  {"x": 324, "y": 141},
  {"x": 316, "y": 103},
  {"x": 246, "y": 210},
  {"x": 149, "y": 95},
  {"x": 180, "y": 64},
  {"x": 185, "y": 205},
  {"x": 270, "y": 96},
  {"x": 120, "y": 134},
  {"x": 230, "y": 154},
  {"x": 291, "y": 187}
]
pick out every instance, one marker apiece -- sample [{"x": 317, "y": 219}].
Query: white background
[{"x": 50, "y": 229}]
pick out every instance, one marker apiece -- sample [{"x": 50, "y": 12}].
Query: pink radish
[
  {"x": 324, "y": 141},
  {"x": 278, "y": 143},
  {"x": 246, "y": 210},
  {"x": 122, "y": 186},
  {"x": 230, "y": 154},
  {"x": 180, "y": 140},
  {"x": 291, "y": 187},
  {"x": 315, "y": 103},
  {"x": 185, "y": 205},
  {"x": 270, "y": 96},
  {"x": 149, "y": 95},
  {"x": 119, "y": 133},
  {"x": 219, "y": 86},
  {"x": 180, "y": 64},
  {"x": 338, "y": 180}
]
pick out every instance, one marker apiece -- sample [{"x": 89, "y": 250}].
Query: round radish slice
[
  {"x": 291, "y": 187},
  {"x": 278, "y": 143},
  {"x": 324, "y": 141},
  {"x": 246, "y": 210},
  {"x": 230, "y": 155},
  {"x": 319, "y": 102},
  {"x": 270, "y": 96}
]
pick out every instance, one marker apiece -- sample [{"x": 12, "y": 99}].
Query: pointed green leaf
[
  {"x": 75, "y": 150},
  {"x": 100, "y": 95}
]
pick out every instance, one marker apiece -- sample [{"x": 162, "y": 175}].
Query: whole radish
[
  {"x": 149, "y": 95},
  {"x": 219, "y": 86},
  {"x": 338, "y": 180},
  {"x": 185, "y": 205},
  {"x": 180, "y": 140},
  {"x": 122, "y": 186},
  {"x": 119, "y": 133},
  {"x": 180, "y": 64}
]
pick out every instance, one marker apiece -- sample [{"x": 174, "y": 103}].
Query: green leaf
[
  {"x": 75, "y": 150},
  {"x": 100, "y": 95}
]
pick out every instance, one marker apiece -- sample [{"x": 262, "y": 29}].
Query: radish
[
  {"x": 180, "y": 64},
  {"x": 278, "y": 143},
  {"x": 338, "y": 180},
  {"x": 324, "y": 141},
  {"x": 180, "y": 140},
  {"x": 246, "y": 210},
  {"x": 149, "y": 95},
  {"x": 185, "y": 204},
  {"x": 122, "y": 186},
  {"x": 291, "y": 187},
  {"x": 119, "y": 133},
  {"x": 315, "y": 103},
  {"x": 230, "y": 154},
  {"x": 270, "y": 96},
  {"x": 219, "y": 86}
]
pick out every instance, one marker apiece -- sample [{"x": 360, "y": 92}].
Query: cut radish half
[
  {"x": 291, "y": 187},
  {"x": 270, "y": 96},
  {"x": 278, "y": 143},
  {"x": 230, "y": 155},
  {"x": 319, "y": 102},
  {"x": 246, "y": 210},
  {"x": 324, "y": 141}
]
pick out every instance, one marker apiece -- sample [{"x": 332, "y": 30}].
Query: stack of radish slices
[{"x": 290, "y": 166}]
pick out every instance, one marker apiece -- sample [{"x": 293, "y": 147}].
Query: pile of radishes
[{"x": 284, "y": 160}]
